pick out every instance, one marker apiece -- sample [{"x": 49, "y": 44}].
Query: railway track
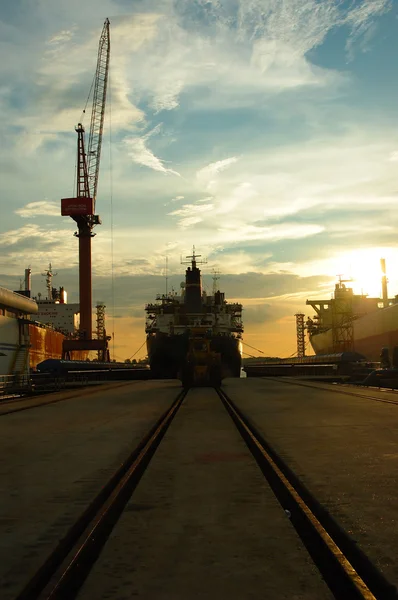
[
  {"x": 346, "y": 570},
  {"x": 59, "y": 577},
  {"x": 355, "y": 391}
]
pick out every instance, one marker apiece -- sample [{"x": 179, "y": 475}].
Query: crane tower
[{"x": 82, "y": 207}]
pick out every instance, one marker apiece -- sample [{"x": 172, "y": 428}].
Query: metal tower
[
  {"x": 101, "y": 333},
  {"x": 300, "y": 334}
]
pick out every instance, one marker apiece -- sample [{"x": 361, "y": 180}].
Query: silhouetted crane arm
[{"x": 98, "y": 111}]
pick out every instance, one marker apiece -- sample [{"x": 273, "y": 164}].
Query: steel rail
[
  {"x": 348, "y": 572},
  {"x": 340, "y": 391},
  {"x": 86, "y": 538}
]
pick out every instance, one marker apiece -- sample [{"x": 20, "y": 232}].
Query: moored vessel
[
  {"x": 351, "y": 322},
  {"x": 171, "y": 319},
  {"x": 34, "y": 329}
]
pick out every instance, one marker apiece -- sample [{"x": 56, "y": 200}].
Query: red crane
[{"x": 82, "y": 207}]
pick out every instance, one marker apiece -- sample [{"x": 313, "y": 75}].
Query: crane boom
[{"x": 98, "y": 111}]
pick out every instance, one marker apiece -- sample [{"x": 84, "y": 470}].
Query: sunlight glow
[{"x": 363, "y": 267}]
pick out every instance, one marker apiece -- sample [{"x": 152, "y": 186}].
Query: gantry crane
[{"x": 82, "y": 207}]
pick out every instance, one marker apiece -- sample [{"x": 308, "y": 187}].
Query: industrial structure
[
  {"x": 300, "y": 327},
  {"x": 82, "y": 207},
  {"x": 350, "y": 322},
  {"x": 103, "y": 353}
]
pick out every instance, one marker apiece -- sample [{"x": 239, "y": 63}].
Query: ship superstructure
[
  {"x": 351, "y": 322},
  {"x": 171, "y": 318},
  {"x": 33, "y": 329},
  {"x": 54, "y": 310}
]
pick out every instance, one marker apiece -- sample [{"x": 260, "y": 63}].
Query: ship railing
[
  {"x": 11, "y": 385},
  {"x": 41, "y": 382}
]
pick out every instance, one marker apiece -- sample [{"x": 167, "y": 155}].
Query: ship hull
[
  {"x": 371, "y": 333},
  {"x": 167, "y": 354},
  {"x": 45, "y": 343},
  {"x": 41, "y": 342},
  {"x": 9, "y": 343}
]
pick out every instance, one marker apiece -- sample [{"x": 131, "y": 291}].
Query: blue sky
[{"x": 264, "y": 132}]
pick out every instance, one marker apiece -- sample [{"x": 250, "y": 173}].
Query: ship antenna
[{"x": 192, "y": 259}]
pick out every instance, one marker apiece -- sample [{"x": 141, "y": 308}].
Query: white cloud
[
  {"x": 207, "y": 199},
  {"x": 62, "y": 76},
  {"x": 330, "y": 173},
  {"x": 191, "y": 214},
  {"x": 14, "y": 236},
  {"x": 394, "y": 156},
  {"x": 361, "y": 19},
  {"x": 150, "y": 62},
  {"x": 241, "y": 197},
  {"x": 62, "y": 36},
  {"x": 140, "y": 154},
  {"x": 216, "y": 167},
  {"x": 37, "y": 245},
  {"x": 43, "y": 207},
  {"x": 265, "y": 53},
  {"x": 292, "y": 231}
]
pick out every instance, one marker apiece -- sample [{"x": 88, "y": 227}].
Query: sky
[{"x": 264, "y": 132}]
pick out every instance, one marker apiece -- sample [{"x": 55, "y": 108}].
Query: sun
[{"x": 363, "y": 270}]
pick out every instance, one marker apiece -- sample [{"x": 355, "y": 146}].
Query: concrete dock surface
[
  {"x": 343, "y": 447},
  {"x": 55, "y": 458},
  {"x": 203, "y": 522}
]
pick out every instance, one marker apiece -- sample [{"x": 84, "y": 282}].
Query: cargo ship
[
  {"x": 351, "y": 322},
  {"x": 170, "y": 320},
  {"x": 33, "y": 329}
]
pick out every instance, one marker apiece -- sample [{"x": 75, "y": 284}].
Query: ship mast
[
  {"x": 216, "y": 277},
  {"x": 49, "y": 277},
  {"x": 192, "y": 259},
  {"x": 193, "y": 283}
]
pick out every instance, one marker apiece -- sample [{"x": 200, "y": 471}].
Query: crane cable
[
  {"x": 111, "y": 207},
  {"x": 81, "y": 121},
  {"x": 250, "y": 355},
  {"x": 252, "y": 347},
  {"x": 295, "y": 352},
  {"x": 136, "y": 352},
  {"x": 88, "y": 98}
]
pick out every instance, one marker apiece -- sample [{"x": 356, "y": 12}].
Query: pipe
[
  {"x": 28, "y": 280},
  {"x": 17, "y": 302},
  {"x": 384, "y": 281}
]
